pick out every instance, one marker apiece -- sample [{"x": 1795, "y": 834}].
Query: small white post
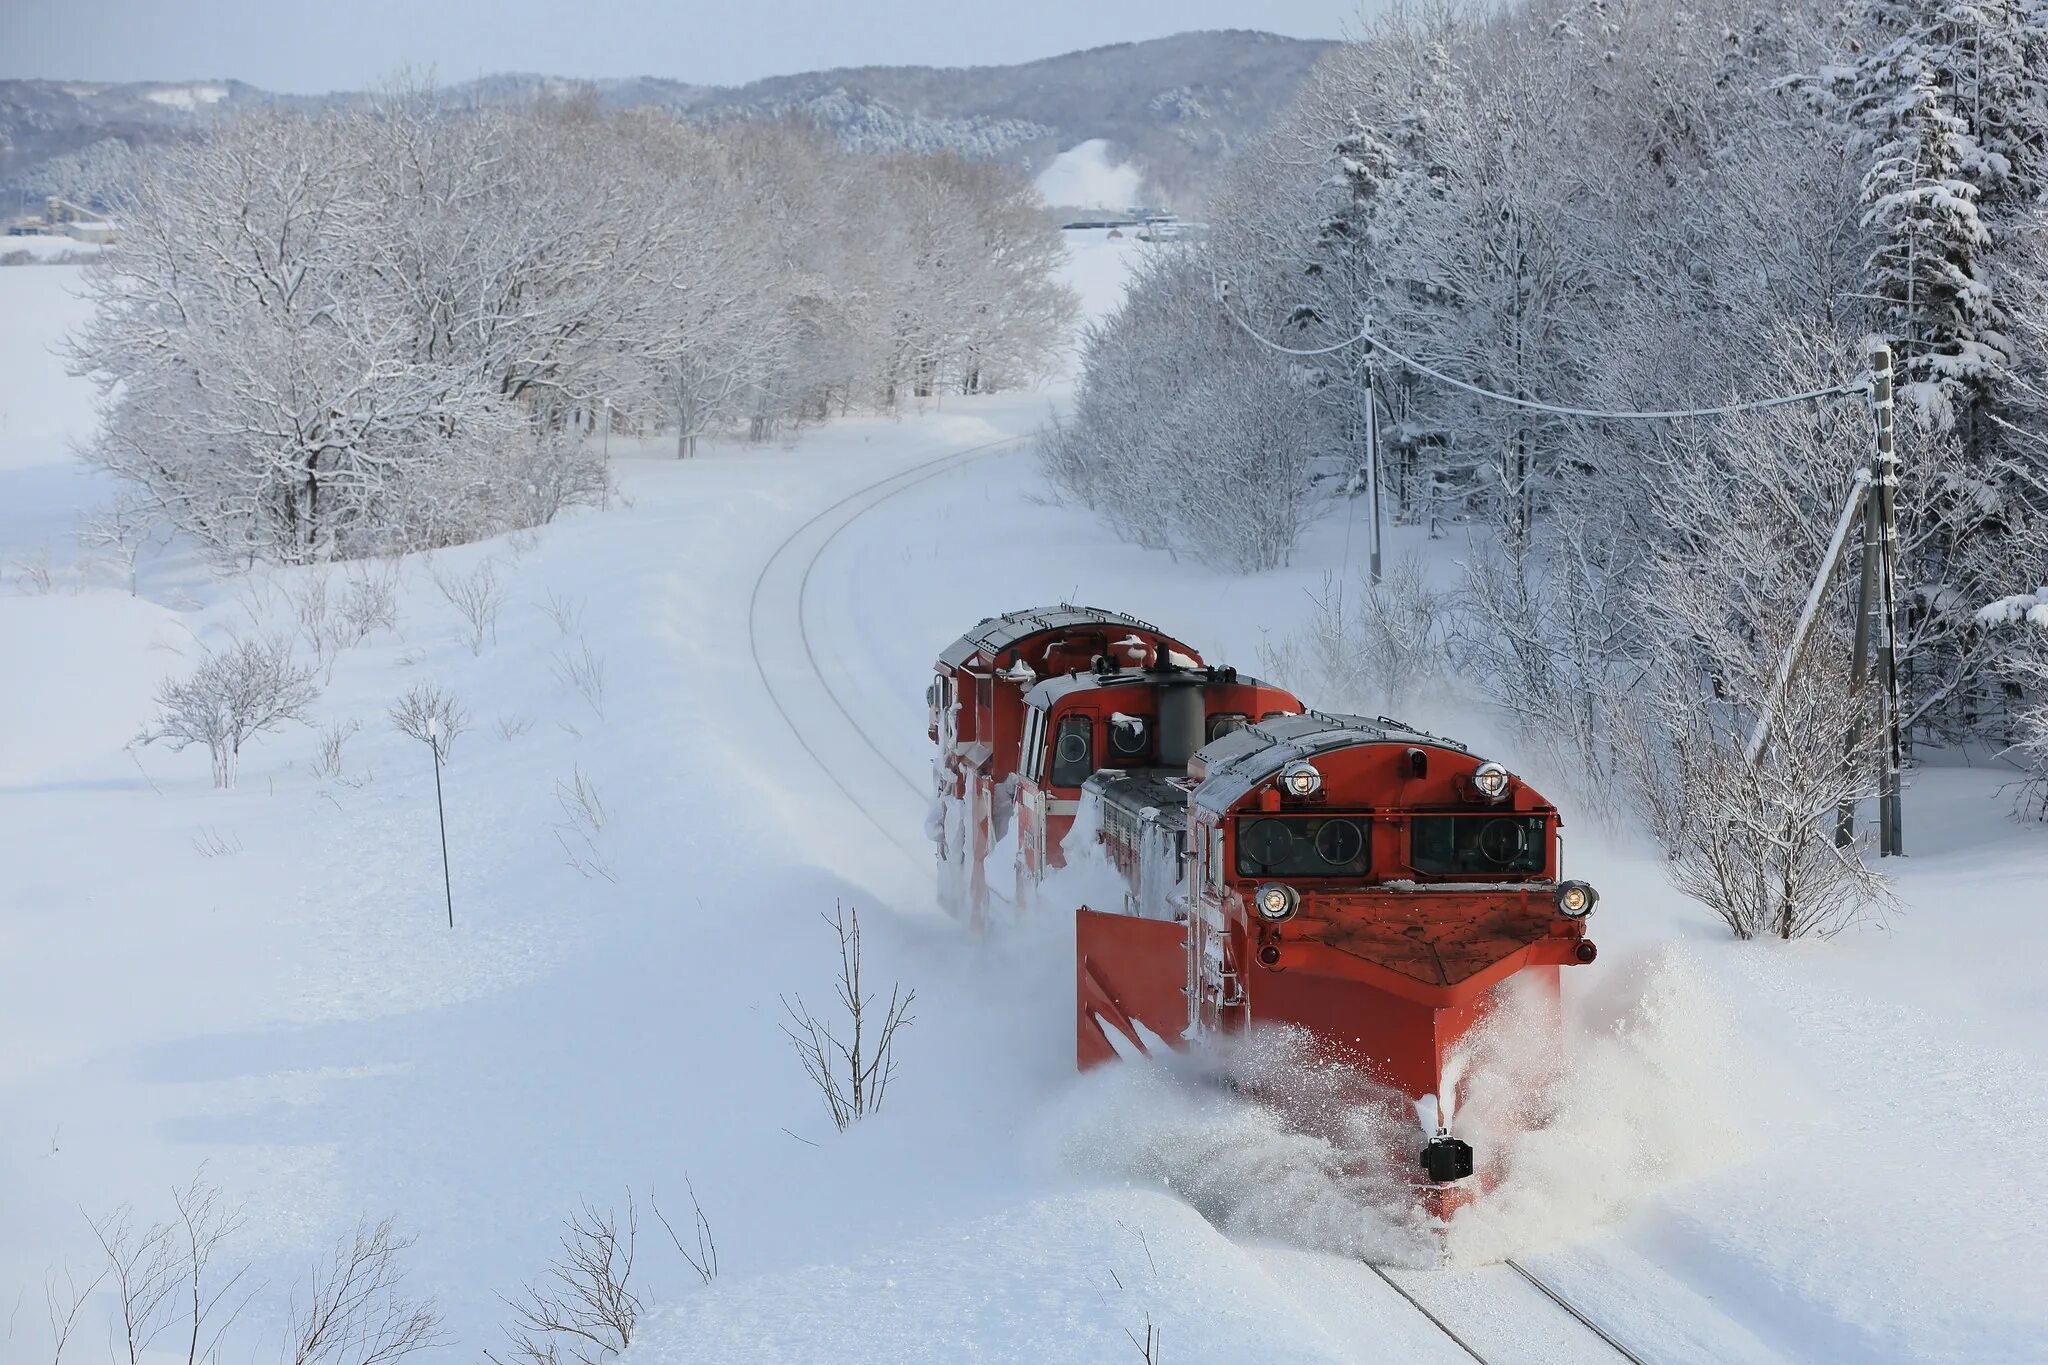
[{"x": 441, "y": 811}]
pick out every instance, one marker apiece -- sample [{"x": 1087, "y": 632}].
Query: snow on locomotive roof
[
  {"x": 1243, "y": 759},
  {"x": 997, "y": 633}
]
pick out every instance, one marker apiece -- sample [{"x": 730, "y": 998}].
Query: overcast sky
[{"x": 308, "y": 46}]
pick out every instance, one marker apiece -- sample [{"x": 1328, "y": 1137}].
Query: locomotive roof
[
  {"x": 1239, "y": 761},
  {"x": 995, "y": 634},
  {"x": 1052, "y": 689}
]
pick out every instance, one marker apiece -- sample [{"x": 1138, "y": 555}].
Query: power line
[{"x": 1560, "y": 409}]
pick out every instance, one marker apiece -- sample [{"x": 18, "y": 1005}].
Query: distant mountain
[{"x": 1174, "y": 106}]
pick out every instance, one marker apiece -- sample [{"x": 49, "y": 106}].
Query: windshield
[
  {"x": 1463, "y": 845},
  {"x": 1302, "y": 846},
  {"x": 1073, "y": 751}
]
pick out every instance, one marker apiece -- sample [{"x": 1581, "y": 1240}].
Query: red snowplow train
[{"x": 1372, "y": 885}]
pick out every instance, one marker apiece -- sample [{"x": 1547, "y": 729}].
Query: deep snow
[{"x": 1822, "y": 1152}]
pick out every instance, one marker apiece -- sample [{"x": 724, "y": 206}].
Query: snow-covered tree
[
  {"x": 1927, "y": 268},
  {"x": 397, "y": 326},
  {"x": 1187, "y": 435}
]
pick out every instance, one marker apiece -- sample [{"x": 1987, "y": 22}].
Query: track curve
[{"x": 861, "y": 500}]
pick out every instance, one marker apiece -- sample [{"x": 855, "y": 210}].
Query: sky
[{"x": 310, "y": 46}]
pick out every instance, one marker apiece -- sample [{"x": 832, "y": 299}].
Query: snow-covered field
[{"x": 1825, "y": 1152}]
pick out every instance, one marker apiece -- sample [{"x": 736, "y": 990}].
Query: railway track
[
  {"x": 1477, "y": 1343},
  {"x": 1592, "y": 1342},
  {"x": 780, "y": 562}
]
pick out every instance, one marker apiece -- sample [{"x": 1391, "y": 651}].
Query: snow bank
[
  {"x": 1084, "y": 176},
  {"x": 1059, "y": 1279}
]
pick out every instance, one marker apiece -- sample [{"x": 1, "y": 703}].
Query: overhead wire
[{"x": 1559, "y": 409}]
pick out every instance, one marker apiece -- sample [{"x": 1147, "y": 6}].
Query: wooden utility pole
[
  {"x": 1877, "y": 615},
  {"x": 1372, "y": 458},
  {"x": 1884, "y": 494}
]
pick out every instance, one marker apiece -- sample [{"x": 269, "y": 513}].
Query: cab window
[
  {"x": 1130, "y": 741},
  {"x": 1297, "y": 846},
  {"x": 1073, "y": 751},
  {"x": 1465, "y": 845}
]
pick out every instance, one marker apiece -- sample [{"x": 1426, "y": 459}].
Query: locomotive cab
[{"x": 1144, "y": 725}]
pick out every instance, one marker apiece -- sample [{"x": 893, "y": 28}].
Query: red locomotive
[
  {"x": 1027, "y": 706},
  {"x": 1370, "y": 884}
]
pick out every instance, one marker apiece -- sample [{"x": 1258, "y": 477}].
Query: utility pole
[
  {"x": 1877, "y": 615},
  {"x": 1885, "y": 475},
  {"x": 1372, "y": 457}
]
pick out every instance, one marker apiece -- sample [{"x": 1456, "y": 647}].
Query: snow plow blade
[{"x": 1129, "y": 994}]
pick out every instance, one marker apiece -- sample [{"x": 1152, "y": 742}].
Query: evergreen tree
[{"x": 1926, "y": 269}]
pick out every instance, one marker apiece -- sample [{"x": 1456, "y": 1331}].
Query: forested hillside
[
  {"x": 1177, "y": 106},
  {"x": 1486, "y": 236}
]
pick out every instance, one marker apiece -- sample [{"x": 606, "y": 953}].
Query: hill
[{"x": 1176, "y": 106}]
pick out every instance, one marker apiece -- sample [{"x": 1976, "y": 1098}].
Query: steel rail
[
  {"x": 905, "y": 478},
  {"x": 1423, "y": 1309},
  {"x": 1568, "y": 1306},
  {"x": 969, "y": 456}
]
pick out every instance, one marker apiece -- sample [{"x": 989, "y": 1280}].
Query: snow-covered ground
[
  {"x": 45, "y": 248},
  {"x": 1825, "y": 1152}
]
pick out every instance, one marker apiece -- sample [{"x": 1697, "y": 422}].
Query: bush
[{"x": 254, "y": 687}]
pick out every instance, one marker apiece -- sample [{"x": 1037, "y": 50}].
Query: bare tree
[
  {"x": 338, "y": 733},
  {"x": 355, "y": 1310},
  {"x": 704, "y": 1260},
  {"x": 851, "y": 1059},
  {"x": 1369, "y": 646},
  {"x": 583, "y": 1309},
  {"x": 582, "y": 670},
  {"x": 478, "y": 598},
  {"x": 2021, "y": 623},
  {"x": 368, "y": 604},
  {"x": 432, "y": 716},
  {"x": 164, "y": 1281},
  {"x": 583, "y": 819},
  {"x": 123, "y": 530},
  {"x": 566, "y": 612},
  {"x": 63, "y": 1307},
  {"x": 251, "y": 688}
]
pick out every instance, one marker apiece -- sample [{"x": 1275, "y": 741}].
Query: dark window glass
[
  {"x": 1130, "y": 742},
  {"x": 1073, "y": 751},
  {"x": 1453, "y": 845},
  {"x": 1298, "y": 846}
]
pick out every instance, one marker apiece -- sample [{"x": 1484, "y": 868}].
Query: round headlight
[
  {"x": 1276, "y": 901},
  {"x": 1575, "y": 900},
  {"x": 1491, "y": 780},
  {"x": 1301, "y": 779}
]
